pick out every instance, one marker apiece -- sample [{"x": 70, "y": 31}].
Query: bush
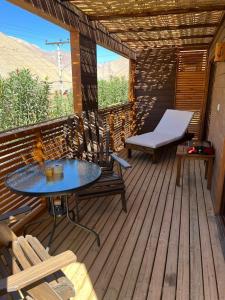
[
  {"x": 23, "y": 99},
  {"x": 113, "y": 91},
  {"x": 61, "y": 105}
]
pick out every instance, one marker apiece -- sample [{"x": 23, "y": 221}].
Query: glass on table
[{"x": 49, "y": 171}]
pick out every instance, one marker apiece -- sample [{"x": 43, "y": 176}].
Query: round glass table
[{"x": 56, "y": 180}]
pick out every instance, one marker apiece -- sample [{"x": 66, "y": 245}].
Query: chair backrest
[
  {"x": 21, "y": 253},
  {"x": 174, "y": 122},
  {"x": 88, "y": 139}
]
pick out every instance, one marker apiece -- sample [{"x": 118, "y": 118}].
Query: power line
[{"x": 59, "y": 44}]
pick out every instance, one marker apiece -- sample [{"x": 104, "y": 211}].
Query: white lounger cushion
[{"x": 171, "y": 128}]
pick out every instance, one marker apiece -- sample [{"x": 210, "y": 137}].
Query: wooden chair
[
  {"x": 92, "y": 144},
  {"x": 26, "y": 268}
]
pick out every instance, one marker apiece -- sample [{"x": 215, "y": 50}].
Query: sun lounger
[{"x": 171, "y": 129}]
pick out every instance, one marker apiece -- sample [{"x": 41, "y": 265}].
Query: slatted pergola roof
[{"x": 156, "y": 23}]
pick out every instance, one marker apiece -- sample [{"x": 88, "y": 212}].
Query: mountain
[
  {"x": 118, "y": 68},
  {"x": 17, "y": 54}
]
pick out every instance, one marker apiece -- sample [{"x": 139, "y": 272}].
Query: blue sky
[{"x": 19, "y": 23}]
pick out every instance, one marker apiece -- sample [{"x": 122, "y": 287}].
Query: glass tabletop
[{"x": 71, "y": 176}]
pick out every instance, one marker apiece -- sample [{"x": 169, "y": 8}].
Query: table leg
[
  {"x": 178, "y": 170},
  {"x": 33, "y": 223},
  {"x": 209, "y": 172},
  {"x": 54, "y": 224},
  {"x": 44, "y": 219},
  {"x": 80, "y": 225}
]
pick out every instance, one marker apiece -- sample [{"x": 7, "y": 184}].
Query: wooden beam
[
  {"x": 169, "y": 38},
  {"x": 76, "y": 70},
  {"x": 184, "y": 46},
  {"x": 165, "y": 28},
  {"x": 153, "y": 13},
  {"x": 132, "y": 96},
  {"x": 217, "y": 35}
]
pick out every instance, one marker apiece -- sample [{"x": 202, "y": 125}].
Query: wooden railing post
[
  {"x": 111, "y": 129},
  {"x": 132, "y": 97},
  {"x": 123, "y": 120}
]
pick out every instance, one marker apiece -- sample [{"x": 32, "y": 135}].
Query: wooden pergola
[
  {"x": 149, "y": 24},
  {"x": 170, "y": 45}
]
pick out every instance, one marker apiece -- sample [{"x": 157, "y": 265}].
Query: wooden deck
[{"x": 166, "y": 247}]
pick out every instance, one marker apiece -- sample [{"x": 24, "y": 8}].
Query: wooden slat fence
[
  {"x": 191, "y": 86},
  {"x": 16, "y": 148},
  {"x": 119, "y": 120}
]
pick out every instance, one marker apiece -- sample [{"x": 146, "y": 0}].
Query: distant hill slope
[
  {"x": 118, "y": 68},
  {"x": 16, "y": 54}
]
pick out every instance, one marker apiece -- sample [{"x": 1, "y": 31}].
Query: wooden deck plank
[
  {"x": 170, "y": 276},
  {"x": 183, "y": 275},
  {"x": 156, "y": 209},
  {"x": 125, "y": 255},
  {"x": 166, "y": 247},
  {"x": 214, "y": 236},
  {"x": 116, "y": 219},
  {"x": 209, "y": 276},
  {"x": 196, "y": 281},
  {"x": 107, "y": 258},
  {"x": 156, "y": 283},
  {"x": 133, "y": 251}
]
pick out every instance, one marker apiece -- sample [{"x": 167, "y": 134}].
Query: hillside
[
  {"x": 118, "y": 68},
  {"x": 16, "y": 54}
]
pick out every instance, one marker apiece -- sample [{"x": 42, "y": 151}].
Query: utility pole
[{"x": 59, "y": 59}]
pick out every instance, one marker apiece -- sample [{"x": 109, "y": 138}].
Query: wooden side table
[{"x": 182, "y": 153}]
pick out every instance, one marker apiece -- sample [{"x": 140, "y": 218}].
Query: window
[
  {"x": 35, "y": 69},
  {"x": 113, "y": 72}
]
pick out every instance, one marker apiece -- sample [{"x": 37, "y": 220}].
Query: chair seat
[
  {"x": 108, "y": 183},
  {"x": 152, "y": 139}
]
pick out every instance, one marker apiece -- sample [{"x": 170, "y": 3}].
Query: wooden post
[
  {"x": 220, "y": 52},
  {"x": 76, "y": 70},
  {"x": 123, "y": 120},
  {"x": 132, "y": 98},
  {"x": 111, "y": 129}
]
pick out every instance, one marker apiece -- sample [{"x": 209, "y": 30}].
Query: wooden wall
[
  {"x": 216, "y": 119},
  {"x": 191, "y": 87},
  {"x": 217, "y": 125},
  {"x": 155, "y": 86}
]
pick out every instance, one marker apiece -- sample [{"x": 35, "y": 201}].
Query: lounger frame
[{"x": 154, "y": 152}]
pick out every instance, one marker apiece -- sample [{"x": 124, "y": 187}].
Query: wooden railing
[
  {"x": 16, "y": 147},
  {"x": 118, "y": 119},
  {"x": 16, "y": 150}
]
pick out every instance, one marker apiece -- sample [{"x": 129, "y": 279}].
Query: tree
[
  {"x": 113, "y": 91},
  {"x": 24, "y": 99},
  {"x": 61, "y": 105}
]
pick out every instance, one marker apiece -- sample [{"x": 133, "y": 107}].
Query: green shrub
[
  {"x": 23, "y": 99},
  {"x": 113, "y": 91}
]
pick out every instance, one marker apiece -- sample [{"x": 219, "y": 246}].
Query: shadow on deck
[{"x": 166, "y": 247}]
